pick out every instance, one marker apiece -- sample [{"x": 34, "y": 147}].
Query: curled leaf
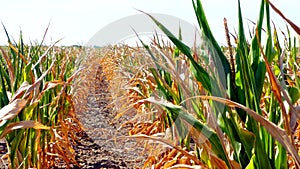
[{"x": 11, "y": 110}]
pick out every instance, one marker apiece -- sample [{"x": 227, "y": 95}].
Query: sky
[{"x": 76, "y": 21}]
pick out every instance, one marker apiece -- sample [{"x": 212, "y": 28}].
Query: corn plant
[
  {"x": 237, "y": 111},
  {"x": 37, "y": 109}
]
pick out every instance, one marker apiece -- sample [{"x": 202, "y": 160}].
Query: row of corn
[
  {"x": 37, "y": 116},
  {"x": 213, "y": 107}
]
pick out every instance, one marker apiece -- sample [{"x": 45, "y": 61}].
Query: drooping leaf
[
  {"x": 12, "y": 109},
  {"x": 198, "y": 71},
  {"x": 294, "y": 26},
  {"x": 167, "y": 142},
  {"x": 211, "y": 135},
  {"x": 279, "y": 134},
  {"x": 23, "y": 125}
]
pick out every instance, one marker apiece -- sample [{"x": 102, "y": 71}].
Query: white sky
[{"x": 76, "y": 21}]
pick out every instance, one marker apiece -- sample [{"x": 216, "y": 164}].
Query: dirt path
[{"x": 101, "y": 149}]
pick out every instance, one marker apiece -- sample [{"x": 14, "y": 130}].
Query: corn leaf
[
  {"x": 198, "y": 71},
  {"x": 209, "y": 36},
  {"x": 13, "y": 109},
  {"x": 211, "y": 135},
  {"x": 294, "y": 26},
  {"x": 22, "y": 125},
  {"x": 279, "y": 134}
]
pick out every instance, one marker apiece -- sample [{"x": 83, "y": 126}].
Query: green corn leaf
[
  {"x": 294, "y": 93},
  {"x": 247, "y": 140},
  {"x": 209, "y": 36},
  {"x": 252, "y": 163},
  {"x": 277, "y": 133},
  {"x": 257, "y": 64},
  {"x": 281, "y": 158},
  {"x": 249, "y": 93},
  {"x": 213, "y": 138},
  {"x": 160, "y": 85},
  {"x": 243, "y": 66},
  {"x": 240, "y": 138},
  {"x": 7, "y": 79},
  {"x": 27, "y": 73},
  {"x": 198, "y": 71},
  {"x": 14, "y": 148},
  {"x": 210, "y": 134}
]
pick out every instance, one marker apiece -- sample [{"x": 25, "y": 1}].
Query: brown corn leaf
[
  {"x": 161, "y": 162},
  {"x": 62, "y": 154},
  {"x": 184, "y": 166},
  {"x": 38, "y": 81},
  {"x": 75, "y": 74},
  {"x": 170, "y": 163},
  {"x": 23, "y": 125},
  {"x": 17, "y": 51},
  {"x": 279, "y": 134},
  {"x": 24, "y": 86},
  {"x": 151, "y": 160},
  {"x": 12, "y": 109},
  {"x": 167, "y": 142},
  {"x": 217, "y": 162},
  {"x": 48, "y": 86},
  {"x": 274, "y": 82},
  {"x": 53, "y": 84},
  {"x": 295, "y": 116},
  {"x": 44, "y": 55},
  {"x": 294, "y": 26},
  {"x": 9, "y": 66}
]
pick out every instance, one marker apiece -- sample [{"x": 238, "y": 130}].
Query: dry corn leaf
[
  {"x": 17, "y": 51},
  {"x": 150, "y": 160},
  {"x": 170, "y": 163},
  {"x": 23, "y": 125},
  {"x": 167, "y": 142},
  {"x": 12, "y": 109},
  {"x": 41, "y": 78},
  {"x": 294, "y": 26},
  {"x": 161, "y": 162},
  {"x": 9, "y": 66},
  {"x": 184, "y": 166},
  {"x": 21, "y": 90},
  {"x": 217, "y": 162},
  {"x": 75, "y": 75}
]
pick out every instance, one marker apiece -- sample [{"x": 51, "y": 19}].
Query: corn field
[
  {"x": 37, "y": 106},
  {"x": 209, "y": 106}
]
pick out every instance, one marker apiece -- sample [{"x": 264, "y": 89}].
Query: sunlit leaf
[
  {"x": 12, "y": 109},
  {"x": 23, "y": 125},
  {"x": 279, "y": 134},
  {"x": 294, "y": 26}
]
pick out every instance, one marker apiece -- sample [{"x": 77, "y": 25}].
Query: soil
[{"x": 98, "y": 145}]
